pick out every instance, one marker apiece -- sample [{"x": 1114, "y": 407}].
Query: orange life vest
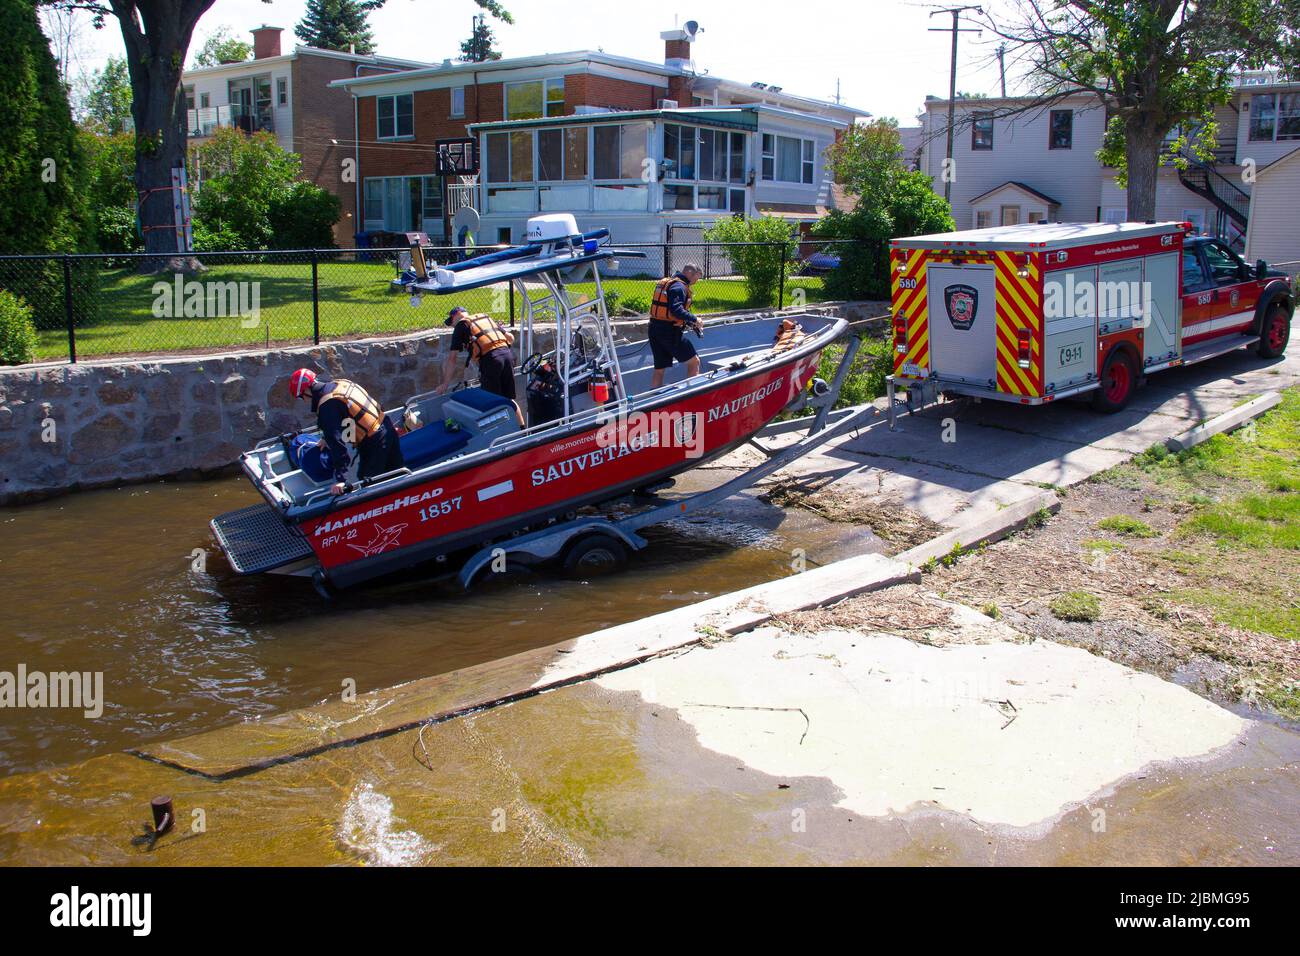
[
  {"x": 788, "y": 335},
  {"x": 485, "y": 336},
  {"x": 659, "y": 304},
  {"x": 362, "y": 409}
]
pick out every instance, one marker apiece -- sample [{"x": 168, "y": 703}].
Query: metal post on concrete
[{"x": 67, "y": 308}]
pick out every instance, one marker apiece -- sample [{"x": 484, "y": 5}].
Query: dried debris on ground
[{"x": 900, "y": 527}]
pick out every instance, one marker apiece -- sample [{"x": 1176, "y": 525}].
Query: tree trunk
[
  {"x": 1142, "y": 144},
  {"x": 157, "y": 37}
]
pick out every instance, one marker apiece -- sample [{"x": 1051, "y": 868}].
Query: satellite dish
[
  {"x": 466, "y": 217},
  {"x": 692, "y": 27}
]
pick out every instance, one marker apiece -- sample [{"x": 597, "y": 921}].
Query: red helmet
[{"x": 300, "y": 381}]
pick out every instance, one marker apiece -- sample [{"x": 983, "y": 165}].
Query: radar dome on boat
[{"x": 551, "y": 227}]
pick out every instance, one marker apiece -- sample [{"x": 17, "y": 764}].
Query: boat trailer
[{"x": 601, "y": 543}]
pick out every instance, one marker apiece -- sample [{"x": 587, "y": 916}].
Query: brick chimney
[
  {"x": 266, "y": 42},
  {"x": 677, "y": 46},
  {"x": 677, "y": 56}
]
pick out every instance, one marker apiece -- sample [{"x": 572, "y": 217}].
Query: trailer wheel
[
  {"x": 595, "y": 555},
  {"x": 1275, "y": 334},
  {"x": 1118, "y": 380}
]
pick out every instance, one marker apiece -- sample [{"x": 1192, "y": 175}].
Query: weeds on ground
[
  {"x": 1076, "y": 606},
  {"x": 1127, "y": 525}
]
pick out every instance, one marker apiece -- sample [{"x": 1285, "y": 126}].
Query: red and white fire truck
[{"x": 1036, "y": 312}]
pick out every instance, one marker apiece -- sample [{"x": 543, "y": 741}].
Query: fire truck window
[
  {"x": 1223, "y": 265},
  {"x": 1193, "y": 272}
]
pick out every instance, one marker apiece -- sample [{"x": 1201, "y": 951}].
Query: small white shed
[{"x": 1271, "y": 232}]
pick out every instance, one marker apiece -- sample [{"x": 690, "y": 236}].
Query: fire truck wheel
[
  {"x": 1118, "y": 379},
  {"x": 595, "y": 555},
  {"x": 1276, "y": 333}
]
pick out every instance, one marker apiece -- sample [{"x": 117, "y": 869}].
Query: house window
[
  {"x": 535, "y": 98},
  {"x": 1037, "y": 217},
  {"x": 1274, "y": 116},
  {"x": 562, "y": 154},
  {"x": 205, "y": 101},
  {"x": 769, "y": 156},
  {"x": 510, "y": 157},
  {"x": 984, "y": 219},
  {"x": 282, "y": 91},
  {"x": 721, "y": 156},
  {"x": 679, "y": 151},
  {"x": 458, "y": 101},
  {"x": 189, "y": 97},
  {"x": 981, "y": 131},
  {"x": 1061, "y": 135},
  {"x": 619, "y": 152},
  {"x": 1010, "y": 215},
  {"x": 795, "y": 159},
  {"x": 396, "y": 116},
  {"x": 402, "y": 203}
]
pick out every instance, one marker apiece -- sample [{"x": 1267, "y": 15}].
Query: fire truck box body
[{"x": 1031, "y": 313}]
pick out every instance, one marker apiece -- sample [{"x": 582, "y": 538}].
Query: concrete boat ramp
[{"x": 762, "y": 726}]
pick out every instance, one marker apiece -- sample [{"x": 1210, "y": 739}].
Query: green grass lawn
[{"x": 355, "y": 299}]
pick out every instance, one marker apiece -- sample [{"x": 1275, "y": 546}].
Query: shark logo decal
[
  {"x": 962, "y": 301},
  {"x": 384, "y": 539}
]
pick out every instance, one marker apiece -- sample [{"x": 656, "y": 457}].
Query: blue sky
[{"x": 880, "y": 51}]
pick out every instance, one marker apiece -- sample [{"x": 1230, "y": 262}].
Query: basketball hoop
[{"x": 457, "y": 157}]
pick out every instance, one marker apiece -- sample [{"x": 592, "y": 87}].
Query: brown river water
[{"x": 102, "y": 582}]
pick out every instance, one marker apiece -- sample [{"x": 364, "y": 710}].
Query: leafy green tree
[
  {"x": 108, "y": 103},
  {"x": 110, "y": 193},
  {"x": 252, "y": 196},
  {"x": 891, "y": 202},
  {"x": 1157, "y": 66},
  {"x": 336, "y": 25},
  {"x": 157, "y": 36},
  {"x": 222, "y": 46},
  {"x": 762, "y": 265}
]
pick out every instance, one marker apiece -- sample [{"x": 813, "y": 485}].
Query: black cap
[{"x": 454, "y": 310}]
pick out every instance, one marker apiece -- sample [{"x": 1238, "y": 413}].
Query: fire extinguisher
[{"x": 598, "y": 388}]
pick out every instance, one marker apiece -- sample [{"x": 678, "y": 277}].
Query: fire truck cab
[{"x": 1036, "y": 312}]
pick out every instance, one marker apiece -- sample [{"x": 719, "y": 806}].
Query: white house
[{"x": 1016, "y": 162}]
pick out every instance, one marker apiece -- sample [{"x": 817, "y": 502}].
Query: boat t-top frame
[{"x": 555, "y": 256}]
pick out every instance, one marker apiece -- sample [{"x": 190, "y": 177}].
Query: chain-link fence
[{"x": 88, "y": 306}]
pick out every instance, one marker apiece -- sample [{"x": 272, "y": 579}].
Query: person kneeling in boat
[
  {"x": 346, "y": 414},
  {"x": 670, "y": 314},
  {"x": 482, "y": 339}
]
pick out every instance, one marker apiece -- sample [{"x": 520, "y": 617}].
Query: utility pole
[
  {"x": 1002, "y": 67},
  {"x": 952, "y": 83}
]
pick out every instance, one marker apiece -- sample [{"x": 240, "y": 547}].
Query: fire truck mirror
[{"x": 1261, "y": 268}]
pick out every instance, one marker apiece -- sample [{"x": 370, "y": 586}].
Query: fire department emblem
[{"x": 961, "y": 301}]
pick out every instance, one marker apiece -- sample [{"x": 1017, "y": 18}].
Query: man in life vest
[
  {"x": 481, "y": 339},
  {"x": 347, "y": 415},
  {"x": 670, "y": 315}
]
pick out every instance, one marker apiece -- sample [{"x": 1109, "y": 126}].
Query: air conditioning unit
[{"x": 668, "y": 104}]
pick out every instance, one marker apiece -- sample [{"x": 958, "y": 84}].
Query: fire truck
[{"x": 1037, "y": 312}]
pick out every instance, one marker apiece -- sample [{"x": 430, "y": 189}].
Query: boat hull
[{"x": 472, "y": 506}]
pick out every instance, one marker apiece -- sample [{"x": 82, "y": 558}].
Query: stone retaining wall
[{"x": 103, "y": 423}]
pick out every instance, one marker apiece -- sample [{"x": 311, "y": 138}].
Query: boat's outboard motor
[{"x": 545, "y": 397}]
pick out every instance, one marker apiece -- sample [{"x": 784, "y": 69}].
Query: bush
[
  {"x": 762, "y": 266},
  {"x": 910, "y": 208},
  {"x": 304, "y": 217},
  {"x": 865, "y": 378},
  {"x": 17, "y": 330},
  {"x": 1127, "y": 525}
]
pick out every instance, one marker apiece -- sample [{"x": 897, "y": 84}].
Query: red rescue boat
[{"x": 474, "y": 476}]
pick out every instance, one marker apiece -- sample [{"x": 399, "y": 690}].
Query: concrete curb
[
  {"x": 1225, "y": 422},
  {"x": 983, "y": 531}
]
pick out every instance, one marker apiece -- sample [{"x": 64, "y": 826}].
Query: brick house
[
  {"x": 613, "y": 140},
  {"x": 289, "y": 94}
]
